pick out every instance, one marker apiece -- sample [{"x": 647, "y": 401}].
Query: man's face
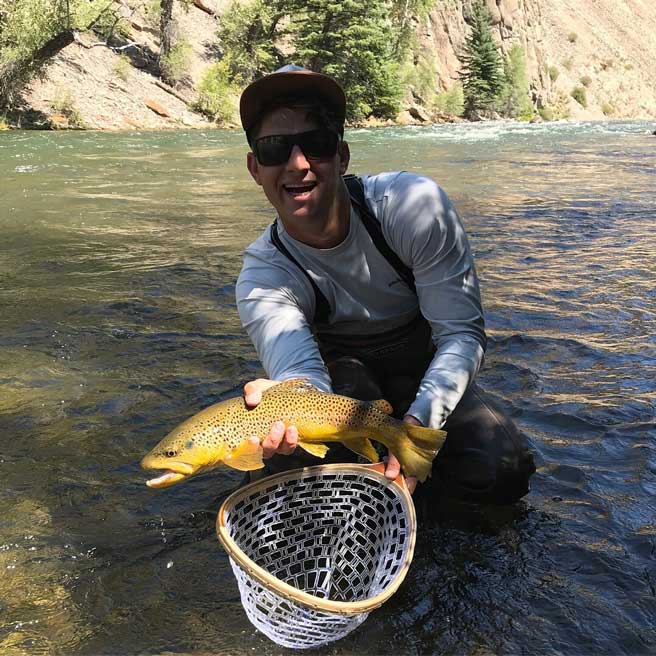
[{"x": 302, "y": 190}]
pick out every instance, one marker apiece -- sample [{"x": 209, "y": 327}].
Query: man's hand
[
  {"x": 280, "y": 439},
  {"x": 393, "y": 468}
]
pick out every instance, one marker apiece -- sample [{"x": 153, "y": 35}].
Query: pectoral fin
[
  {"x": 246, "y": 457},
  {"x": 318, "y": 450},
  {"x": 364, "y": 447}
]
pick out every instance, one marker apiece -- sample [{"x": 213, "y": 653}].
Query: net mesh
[{"x": 342, "y": 534}]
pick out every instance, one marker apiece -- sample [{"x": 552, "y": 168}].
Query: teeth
[{"x": 299, "y": 190}]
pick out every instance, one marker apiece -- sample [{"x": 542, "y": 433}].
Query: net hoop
[{"x": 295, "y": 595}]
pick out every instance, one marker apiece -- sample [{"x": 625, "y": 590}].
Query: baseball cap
[{"x": 288, "y": 81}]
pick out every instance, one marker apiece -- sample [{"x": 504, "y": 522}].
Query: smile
[{"x": 299, "y": 190}]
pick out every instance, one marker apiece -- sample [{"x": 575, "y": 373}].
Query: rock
[
  {"x": 157, "y": 108},
  {"x": 507, "y": 8},
  {"x": 139, "y": 59},
  {"x": 119, "y": 87},
  {"x": 59, "y": 122},
  {"x": 131, "y": 123},
  {"x": 418, "y": 114},
  {"x": 405, "y": 118},
  {"x": 495, "y": 14}
]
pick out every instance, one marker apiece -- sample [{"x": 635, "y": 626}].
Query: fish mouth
[{"x": 172, "y": 472}]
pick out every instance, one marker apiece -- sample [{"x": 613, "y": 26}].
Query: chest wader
[{"x": 484, "y": 458}]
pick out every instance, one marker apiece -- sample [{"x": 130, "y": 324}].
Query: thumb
[{"x": 393, "y": 468}]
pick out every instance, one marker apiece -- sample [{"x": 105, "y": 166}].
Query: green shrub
[
  {"x": 64, "y": 104},
  {"x": 123, "y": 67},
  {"x": 153, "y": 13},
  {"x": 110, "y": 24},
  {"x": 450, "y": 102},
  {"x": 572, "y": 37},
  {"x": 175, "y": 64},
  {"x": 218, "y": 96},
  {"x": 514, "y": 100},
  {"x": 586, "y": 80},
  {"x": 553, "y": 73},
  {"x": 607, "y": 109},
  {"x": 558, "y": 108},
  {"x": 546, "y": 113},
  {"x": 579, "y": 94},
  {"x": 419, "y": 72},
  {"x": 568, "y": 63},
  {"x": 4, "y": 123}
]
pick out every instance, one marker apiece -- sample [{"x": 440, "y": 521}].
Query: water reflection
[{"x": 116, "y": 287}]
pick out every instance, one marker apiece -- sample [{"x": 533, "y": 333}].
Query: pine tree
[
  {"x": 248, "y": 33},
  {"x": 482, "y": 77},
  {"x": 353, "y": 42}
]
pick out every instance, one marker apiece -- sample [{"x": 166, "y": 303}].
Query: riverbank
[
  {"x": 90, "y": 86},
  {"x": 581, "y": 63}
]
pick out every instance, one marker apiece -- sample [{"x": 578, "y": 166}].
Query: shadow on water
[{"x": 118, "y": 321}]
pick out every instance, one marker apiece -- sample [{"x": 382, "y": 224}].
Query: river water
[{"x": 118, "y": 258}]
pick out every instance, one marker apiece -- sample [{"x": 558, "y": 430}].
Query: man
[{"x": 367, "y": 289}]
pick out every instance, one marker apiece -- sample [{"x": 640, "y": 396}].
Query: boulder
[
  {"x": 157, "y": 108},
  {"x": 59, "y": 122},
  {"x": 418, "y": 113}
]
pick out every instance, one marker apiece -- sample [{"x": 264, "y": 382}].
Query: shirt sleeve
[
  {"x": 424, "y": 229},
  {"x": 273, "y": 307}
]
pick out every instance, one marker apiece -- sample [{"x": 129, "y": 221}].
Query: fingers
[
  {"x": 409, "y": 419},
  {"x": 253, "y": 390},
  {"x": 280, "y": 440},
  {"x": 393, "y": 469}
]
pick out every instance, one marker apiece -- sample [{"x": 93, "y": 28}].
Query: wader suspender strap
[
  {"x": 356, "y": 190},
  {"x": 321, "y": 305},
  {"x": 370, "y": 222}
]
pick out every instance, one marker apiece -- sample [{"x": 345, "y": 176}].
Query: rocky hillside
[{"x": 605, "y": 46}]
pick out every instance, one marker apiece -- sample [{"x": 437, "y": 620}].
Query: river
[{"x": 117, "y": 320}]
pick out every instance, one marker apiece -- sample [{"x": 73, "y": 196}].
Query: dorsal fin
[
  {"x": 296, "y": 384},
  {"x": 383, "y": 406}
]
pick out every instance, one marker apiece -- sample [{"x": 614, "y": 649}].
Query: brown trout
[{"x": 220, "y": 433}]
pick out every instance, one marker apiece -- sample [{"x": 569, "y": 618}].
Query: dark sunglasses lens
[
  {"x": 274, "y": 150},
  {"x": 318, "y": 143}
]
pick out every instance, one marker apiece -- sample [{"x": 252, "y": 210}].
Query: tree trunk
[{"x": 165, "y": 36}]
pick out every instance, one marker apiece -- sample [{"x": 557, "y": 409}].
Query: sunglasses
[{"x": 276, "y": 149}]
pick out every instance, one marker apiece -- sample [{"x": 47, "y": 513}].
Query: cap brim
[{"x": 264, "y": 92}]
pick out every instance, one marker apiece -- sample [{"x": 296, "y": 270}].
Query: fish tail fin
[{"x": 417, "y": 449}]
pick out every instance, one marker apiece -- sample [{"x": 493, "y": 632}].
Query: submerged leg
[{"x": 485, "y": 458}]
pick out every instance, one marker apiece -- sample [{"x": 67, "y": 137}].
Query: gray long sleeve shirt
[{"x": 276, "y": 301}]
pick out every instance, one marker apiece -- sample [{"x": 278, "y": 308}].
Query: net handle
[{"x": 298, "y": 596}]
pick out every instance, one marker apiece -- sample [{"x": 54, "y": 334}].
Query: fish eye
[{"x": 170, "y": 453}]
